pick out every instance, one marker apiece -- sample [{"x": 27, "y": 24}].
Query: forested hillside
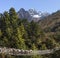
[
  {"x": 22, "y": 34},
  {"x": 51, "y": 25}
]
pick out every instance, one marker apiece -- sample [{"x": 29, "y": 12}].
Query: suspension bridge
[{"x": 18, "y": 52}]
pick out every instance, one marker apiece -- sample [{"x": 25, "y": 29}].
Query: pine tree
[
  {"x": 20, "y": 33},
  {"x": 16, "y": 39},
  {"x": 13, "y": 17}
]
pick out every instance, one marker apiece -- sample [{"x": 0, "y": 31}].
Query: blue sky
[{"x": 40, "y": 5}]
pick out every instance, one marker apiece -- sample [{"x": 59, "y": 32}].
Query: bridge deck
[{"x": 12, "y": 51}]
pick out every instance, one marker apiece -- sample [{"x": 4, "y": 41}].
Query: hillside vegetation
[
  {"x": 22, "y": 34},
  {"x": 51, "y": 25}
]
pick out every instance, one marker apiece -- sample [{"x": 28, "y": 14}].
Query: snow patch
[{"x": 36, "y": 16}]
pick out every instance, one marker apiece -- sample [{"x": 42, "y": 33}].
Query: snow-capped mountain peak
[{"x": 31, "y": 14}]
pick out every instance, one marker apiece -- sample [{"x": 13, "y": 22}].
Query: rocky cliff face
[{"x": 24, "y": 14}]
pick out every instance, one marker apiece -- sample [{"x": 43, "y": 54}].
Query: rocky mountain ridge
[{"x": 31, "y": 14}]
